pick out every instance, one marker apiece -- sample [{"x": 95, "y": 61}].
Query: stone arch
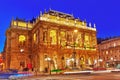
[{"x": 55, "y": 60}]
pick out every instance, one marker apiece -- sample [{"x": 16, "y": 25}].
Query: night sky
[{"x": 104, "y": 13}]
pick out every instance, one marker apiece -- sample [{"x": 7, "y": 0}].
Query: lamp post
[
  {"x": 22, "y": 64},
  {"x": 48, "y": 59},
  {"x": 112, "y": 60},
  {"x": 100, "y": 60},
  {"x": 21, "y": 50}
]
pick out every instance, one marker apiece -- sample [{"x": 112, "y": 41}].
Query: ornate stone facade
[
  {"x": 55, "y": 40},
  {"x": 110, "y": 52}
]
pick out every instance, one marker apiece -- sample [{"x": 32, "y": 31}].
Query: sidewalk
[
  {"x": 78, "y": 72},
  {"x": 91, "y": 72},
  {"x": 48, "y": 76},
  {"x": 68, "y": 75},
  {"x": 36, "y": 76}
]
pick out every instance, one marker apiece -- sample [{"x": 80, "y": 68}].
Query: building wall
[
  {"x": 14, "y": 56},
  {"x": 110, "y": 51},
  {"x": 49, "y": 45},
  {"x": 59, "y": 53}
]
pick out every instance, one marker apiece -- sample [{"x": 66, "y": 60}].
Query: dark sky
[{"x": 104, "y": 13}]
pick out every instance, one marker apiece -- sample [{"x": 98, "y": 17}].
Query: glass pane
[
  {"x": 22, "y": 38},
  {"x": 53, "y": 36}
]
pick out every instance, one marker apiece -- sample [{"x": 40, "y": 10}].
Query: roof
[
  {"x": 19, "y": 19},
  {"x": 111, "y": 39},
  {"x": 60, "y": 14}
]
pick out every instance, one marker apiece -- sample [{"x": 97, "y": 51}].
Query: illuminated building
[
  {"x": 110, "y": 52},
  {"x": 49, "y": 42}
]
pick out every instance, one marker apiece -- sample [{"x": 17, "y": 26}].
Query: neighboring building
[
  {"x": 110, "y": 52},
  {"x": 2, "y": 64},
  {"x": 54, "y": 40}
]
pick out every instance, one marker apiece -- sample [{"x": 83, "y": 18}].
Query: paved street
[{"x": 99, "y": 76}]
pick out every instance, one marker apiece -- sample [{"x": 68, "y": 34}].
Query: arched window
[{"x": 22, "y": 38}]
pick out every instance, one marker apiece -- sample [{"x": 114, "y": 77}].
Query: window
[
  {"x": 53, "y": 36},
  {"x": 111, "y": 51},
  {"x": 106, "y": 52},
  {"x": 62, "y": 34},
  {"x": 107, "y": 57},
  {"x": 69, "y": 37},
  {"x": 45, "y": 36},
  {"x": 22, "y": 38},
  {"x": 34, "y": 37},
  {"x": 114, "y": 44},
  {"x": 22, "y": 63},
  {"x": 22, "y": 24},
  {"x": 78, "y": 40},
  {"x": 86, "y": 43},
  {"x": 62, "y": 38}
]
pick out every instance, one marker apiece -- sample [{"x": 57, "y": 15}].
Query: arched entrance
[{"x": 82, "y": 62}]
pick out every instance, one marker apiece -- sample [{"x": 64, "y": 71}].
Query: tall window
[
  {"x": 93, "y": 40},
  {"x": 86, "y": 42},
  {"x": 45, "y": 36},
  {"x": 79, "y": 40},
  {"x": 34, "y": 37},
  {"x": 62, "y": 34},
  {"x": 53, "y": 36},
  {"x": 69, "y": 37},
  {"x": 62, "y": 38}
]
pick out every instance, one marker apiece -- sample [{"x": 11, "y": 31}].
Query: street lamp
[
  {"x": 48, "y": 59},
  {"x": 22, "y": 63},
  {"x": 112, "y": 60},
  {"x": 21, "y": 50},
  {"x": 100, "y": 60},
  {"x": 75, "y": 30}
]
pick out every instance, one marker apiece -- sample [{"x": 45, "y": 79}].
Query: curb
[
  {"x": 78, "y": 72},
  {"x": 93, "y": 72}
]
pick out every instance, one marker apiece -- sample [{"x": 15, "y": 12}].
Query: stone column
[
  {"x": 41, "y": 35},
  {"x": 41, "y": 61},
  {"x": 83, "y": 36}
]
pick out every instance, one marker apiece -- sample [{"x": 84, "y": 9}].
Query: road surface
[{"x": 99, "y": 76}]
